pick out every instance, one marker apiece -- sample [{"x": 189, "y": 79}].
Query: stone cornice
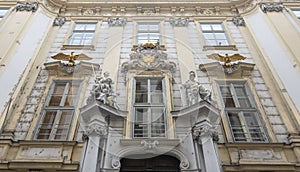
[
  {"x": 217, "y": 8},
  {"x": 137, "y": 8}
]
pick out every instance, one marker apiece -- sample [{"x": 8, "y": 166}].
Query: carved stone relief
[
  {"x": 179, "y": 22},
  {"x": 117, "y": 21},
  {"x": 271, "y": 7},
  {"x": 148, "y": 57},
  {"x": 22, "y": 6},
  {"x": 238, "y": 21},
  {"x": 59, "y": 21}
]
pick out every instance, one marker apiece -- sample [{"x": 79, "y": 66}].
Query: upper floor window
[
  {"x": 297, "y": 13},
  {"x": 3, "y": 11},
  {"x": 148, "y": 32},
  {"x": 58, "y": 111},
  {"x": 214, "y": 34},
  {"x": 82, "y": 34},
  {"x": 149, "y": 108},
  {"x": 241, "y": 112}
]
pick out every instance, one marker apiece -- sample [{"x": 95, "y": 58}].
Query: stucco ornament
[
  {"x": 59, "y": 21},
  {"x": 238, "y": 21},
  {"x": 117, "y": 21},
  {"x": 103, "y": 91},
  {"x": 22, "y": 6},
  {"x": 179, "y": 22},
  {"x": 149, "y": 145},
  {"x": 96, "y": 129},
  {"x": 204, "y": 130},
  {"x": 148, "y": 56},
  {"x": 195, "y": 91},
  {"x": 271, "y": 7}
]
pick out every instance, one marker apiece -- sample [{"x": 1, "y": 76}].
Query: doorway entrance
[{"x": 161, "y": 163}]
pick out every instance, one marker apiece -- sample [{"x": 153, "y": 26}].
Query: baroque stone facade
[{"x": 183, "y": 86}]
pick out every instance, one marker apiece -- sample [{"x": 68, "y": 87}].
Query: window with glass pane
[
  {"x": 83, "y": 34},
  {"x": 214, "y": 34},
  {"x": 148, "y": 32},
  {"x": 58, "y": 111},
  {"x": 149, "y": 108},
  {"x": 297, "y": 13},
  {"x": 3, "y": 11},
  {"x": 242, "y": 113}
]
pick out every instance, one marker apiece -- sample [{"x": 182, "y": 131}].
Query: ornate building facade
[{"x": 92, "y": 86}]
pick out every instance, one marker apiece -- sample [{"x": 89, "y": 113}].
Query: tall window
[
  {"x": 242, "y": 113},
  {"x": 149, "y": 108},
  {"x": 148, "y": 32},
  {"x": 83, "y": 34},
  {"x": 58, "y": 111},
  {"x": 3, "y": 11},
  {"x": 214, "y": 34},
  {"x": 297, "y": 13}
]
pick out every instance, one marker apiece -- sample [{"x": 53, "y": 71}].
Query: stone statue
[
  {"x": 103, "y": 92},
  {"x": 195, "y": 91}
]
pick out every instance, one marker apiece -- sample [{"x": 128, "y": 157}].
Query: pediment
[
  {"x": 237, "y": 70},
  {"x": 58, "y": 68}
]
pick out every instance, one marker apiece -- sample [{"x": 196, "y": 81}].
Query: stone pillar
[
  {"x": 206, "y": 135},
  {"x": 95, "y": 132}
]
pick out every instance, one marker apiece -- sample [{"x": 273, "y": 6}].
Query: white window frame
[
  {"x": 296, "y": 12},
  {"x": 83, "y": 33},
  {"x": 248, "y": 132},
  {"x": 59, "y": 109},
  {"x": 5, "y": 12},
  {"x": 214, "y": 32},
  {"x": 150, "y": 106},
  {"x": 148, "y": 33}
]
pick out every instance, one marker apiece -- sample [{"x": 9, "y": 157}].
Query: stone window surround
[
  {"x": 167, "y": 94},
  {"x": 66, "y": 44},
  {"x": 149, "y": 104},
  {"x": 149, "y": 33},
  {"x": 42, "y": 113},
  {"x": 259, "y": 114},
  {"x": 230, "y": 46}
]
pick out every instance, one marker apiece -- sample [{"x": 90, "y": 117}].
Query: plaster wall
[
  {"x": 28, "y": 46},
  {"x": 276, "y": 54}
]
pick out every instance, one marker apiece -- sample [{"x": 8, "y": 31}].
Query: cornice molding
[{"x": 149, "y": 8}]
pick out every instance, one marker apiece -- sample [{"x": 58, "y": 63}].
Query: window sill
[
  {"x": 219, "y": 47},
  {"x": 78, "y": 47}
]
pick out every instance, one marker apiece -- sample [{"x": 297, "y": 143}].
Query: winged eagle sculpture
[
  {"x": 71, "y": 58},
  {"x": 226, "y": 59}
]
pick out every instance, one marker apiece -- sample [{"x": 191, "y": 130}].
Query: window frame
[
  {"x": 149, "y": 106},
  {"x": 91, "y": 46},
  {"x": 7, "y": 10},
  {"x": 58, "y": 109},
  {"x": 214, "y": 32},
  {"x": 297, "y": 16},
  {"x": 159, "y": 31},
  {"x": 242, "y": 111}
]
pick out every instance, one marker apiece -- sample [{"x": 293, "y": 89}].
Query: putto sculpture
[
  {"x": 195, "y": 91},
  {"x": 103, "y": 91}
]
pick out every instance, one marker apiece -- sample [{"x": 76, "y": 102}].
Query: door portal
[{"x": 162, "y": 163}]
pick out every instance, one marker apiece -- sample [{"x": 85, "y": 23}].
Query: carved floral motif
[
  {"x": 96, "y": 129},
  {"x": 59, "y": 21},
  {"x": 238, "y": 21},
  {"x": 179, "y": 22},
  {"x": 116, "y": 21},
  {"x": 271, "y": 7},
  {"x": 22, "y": 6}
]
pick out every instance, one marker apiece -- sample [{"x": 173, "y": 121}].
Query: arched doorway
[{"x": 161, "y": 163}]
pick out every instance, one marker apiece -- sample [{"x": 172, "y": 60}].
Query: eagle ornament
[
  {"x": 226, "y": 59},
  {"x": 71, "y": 58}
]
